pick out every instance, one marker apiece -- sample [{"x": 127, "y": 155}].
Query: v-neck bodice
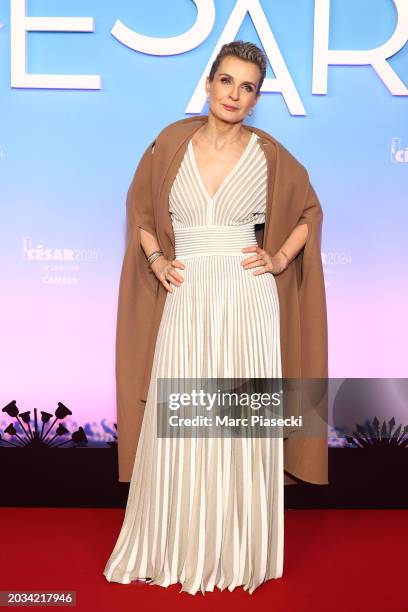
[
  {"x": 235, "y": 166},
  {"x": 240, "y": 198}
]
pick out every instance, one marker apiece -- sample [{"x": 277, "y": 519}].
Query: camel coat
[{"x": 291, "y": 200}]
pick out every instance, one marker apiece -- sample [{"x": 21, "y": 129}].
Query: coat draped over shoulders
[{"x": 291, "y": 201}]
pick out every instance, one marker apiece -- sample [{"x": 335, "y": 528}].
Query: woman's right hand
[{"x": 165, "y": 270}]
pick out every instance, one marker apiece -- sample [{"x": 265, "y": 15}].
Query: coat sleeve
[
  {"x": 136, "y": 303},
  {"x": 139, "y": 201},
  {"x": 312, "y": 294},
  {"x": 306, "y": 453}
]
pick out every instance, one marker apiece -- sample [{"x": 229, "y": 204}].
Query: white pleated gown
[{"x": 208, "y": 512}]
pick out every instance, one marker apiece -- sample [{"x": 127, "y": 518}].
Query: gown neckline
[{"x": 234, "y": 167}]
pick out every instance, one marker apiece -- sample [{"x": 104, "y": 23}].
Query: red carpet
[{"x": 334, "y": 560}]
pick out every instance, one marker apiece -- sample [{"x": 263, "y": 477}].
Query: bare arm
[
  {"x": 149, "y": 242},
  {"x": 165, "y": 270},
  {"x": 292, "y": 245}
]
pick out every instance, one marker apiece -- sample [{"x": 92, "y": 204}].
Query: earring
[
  {"x": 250, "y": 112},
  {"x": 208, "y": 99}
]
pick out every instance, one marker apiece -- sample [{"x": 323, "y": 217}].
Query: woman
[{"x": 199, "y": 298}]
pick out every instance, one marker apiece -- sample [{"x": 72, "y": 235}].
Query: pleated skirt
[{"x": 208, "y": 512}]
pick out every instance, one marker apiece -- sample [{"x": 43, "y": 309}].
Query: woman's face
[{"x": 233, "y": 91}]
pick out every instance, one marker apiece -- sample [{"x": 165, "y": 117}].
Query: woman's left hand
[{"x": 270, "y": 263}]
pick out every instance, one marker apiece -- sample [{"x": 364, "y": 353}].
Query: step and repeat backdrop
[{"x": 85, "y": 85}]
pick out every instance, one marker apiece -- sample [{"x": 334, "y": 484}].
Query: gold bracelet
[{"x": 153, "y": 256}]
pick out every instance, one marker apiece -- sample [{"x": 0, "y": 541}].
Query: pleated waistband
[{"x": 213, "y": 240}]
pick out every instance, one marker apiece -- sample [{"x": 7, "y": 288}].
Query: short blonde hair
[{"x": 246, "y": 51}]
